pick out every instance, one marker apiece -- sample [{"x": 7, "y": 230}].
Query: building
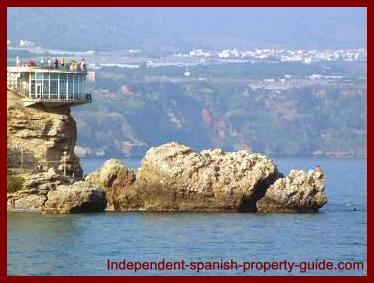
[
  {"x": 49, "y": 87},
  {"x": 26, "y": 43}
]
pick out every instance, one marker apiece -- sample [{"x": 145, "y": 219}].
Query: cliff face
[{"x": 39, "y": 137}]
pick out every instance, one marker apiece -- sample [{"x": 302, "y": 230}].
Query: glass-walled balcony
[{"x": 61, "y": 86}]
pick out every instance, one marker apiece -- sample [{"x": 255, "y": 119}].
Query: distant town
[
  {"x": 198, "y": 56},
  {"x": 283, "y": 55}
]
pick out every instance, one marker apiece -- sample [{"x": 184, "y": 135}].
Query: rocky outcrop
[
  {"x": 33, "y": 193},
  {"x": 53, "y": 193},
  {"x": 117, "y": 181},
  {"x": 38, "y": 137},
  {"x": 76, "y": 198},
  {"x": 178, "y": 178},
  {"x": 175, "y": 178},
  {"x": 300, "y": 191}
]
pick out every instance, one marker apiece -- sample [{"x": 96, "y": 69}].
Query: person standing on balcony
[
  {"x": 73, "y": 65},
  {"x": 50, "y": 63},
  {"x": 83, "y": 65},
  {"x": 56, "y": 63},
  {"x": 18, "y": 62},
  {"x": 42, "y": 62}
]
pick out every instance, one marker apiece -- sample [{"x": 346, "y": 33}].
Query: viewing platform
[{"x": 49, "y": 86}]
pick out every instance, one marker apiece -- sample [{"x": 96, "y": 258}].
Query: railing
[
  {"x": 73, "y": 65},
  {"x": 66, "y": 67},
  {"x": 25, "y": 94},
  {"x": 87, "y": 97}
]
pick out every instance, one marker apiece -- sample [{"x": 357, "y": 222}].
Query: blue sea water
[{"x": 81, "y": 244}]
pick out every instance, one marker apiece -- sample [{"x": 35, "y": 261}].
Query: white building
[{"x": 26, "y": 43}]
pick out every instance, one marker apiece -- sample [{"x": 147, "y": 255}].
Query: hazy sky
[{"x": 113, "y": 28}]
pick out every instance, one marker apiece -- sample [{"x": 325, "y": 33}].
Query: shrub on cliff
[{"x": 14, "y": 183}]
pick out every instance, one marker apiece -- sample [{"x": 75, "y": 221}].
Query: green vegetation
[
  {"x": 134, "y": 110},
  {"x": 14, "y": 183}
]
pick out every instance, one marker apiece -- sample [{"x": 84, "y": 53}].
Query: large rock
[
  {"x": 44, "y": 181},
  {"x": 300, "y": 191},
  {"x": 28, "y": 201},
  {"x": 117, "y": 181},
  {"x": 113, "y": 172},
  {"x": 38, "y": 137},
  {"x": 76, "y": 198},
  {"x": 53, "y": 193},
  {"x": 174, "y": 177},
  {"x": 35, "y": 187}
]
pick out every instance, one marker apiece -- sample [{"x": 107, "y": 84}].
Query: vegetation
[
  {"x": 134, "y": 110},
  {"x": 14, "y": 183}
]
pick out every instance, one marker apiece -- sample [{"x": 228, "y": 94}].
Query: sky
[{"x": 184, "y": 28}]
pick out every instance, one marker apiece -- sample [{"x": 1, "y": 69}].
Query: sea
[{"x": 244, "y": 244}]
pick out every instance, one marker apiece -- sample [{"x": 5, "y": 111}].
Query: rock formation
[
  {"x": 75, "y": 198},
  {"x": 38, "y": 137},
  {"x": 53, "y": 193},
  {"x": 300, "y": 191},
  {"x": 117, "y": 181},
  {"x": 173, "y": 177},
  {"x": 177, "y": 178},
  {"x": 33, "y": 193}
]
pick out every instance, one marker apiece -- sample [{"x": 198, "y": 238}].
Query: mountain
[
  {"x": 232, "y": 106},
  {"x": 274, "y": 107}
]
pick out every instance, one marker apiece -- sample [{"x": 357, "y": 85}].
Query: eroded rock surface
[
  {"x": 38, "y": 137},
  {"x": 35, "y": 188},
  {"x": 177, "y": 178},
  {"x": 300, "y": 191},
  {"x": 53, "y": 193},
  {"x": 173, "y": 177},
  {"x": 117, "y": 181},
  {"x": 76, "y": 198}
]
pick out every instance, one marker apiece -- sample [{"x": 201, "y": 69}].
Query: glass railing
[{"x": 66, "y": 67}]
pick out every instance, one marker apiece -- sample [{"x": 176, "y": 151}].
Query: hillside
[{"x": 228, "y": 106}]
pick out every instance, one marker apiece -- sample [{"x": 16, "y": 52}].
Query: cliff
[{"x": 39, "y": 137}]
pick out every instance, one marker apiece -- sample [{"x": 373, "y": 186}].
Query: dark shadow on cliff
[{"x": 61, "y": 110}]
